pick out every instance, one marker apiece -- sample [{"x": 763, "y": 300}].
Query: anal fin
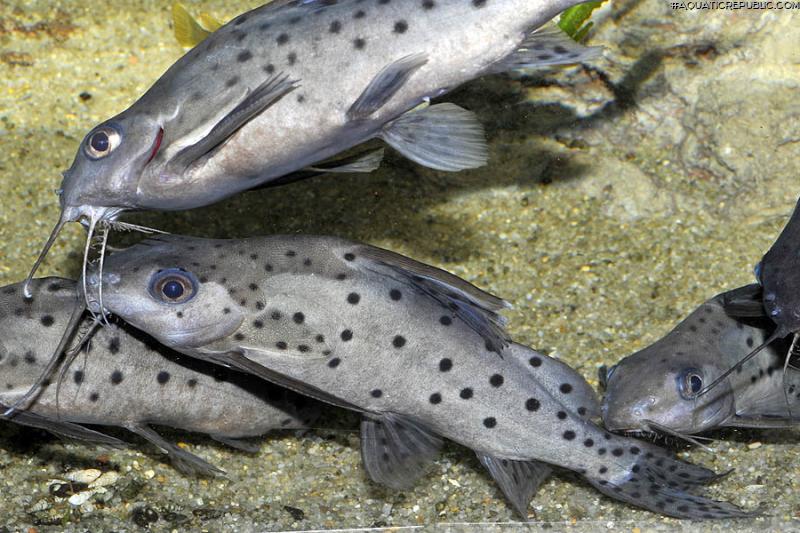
[
  {"x": 442, "y": 136},
  {"x": 396, "y": 450},
  {"x": 361, "y": 163},
  {"x": 544, "y": 48},
  {"x": 383, "y": 86},
  {"x": 253, "y": 104},
  {"x": 519, "y": 480}
]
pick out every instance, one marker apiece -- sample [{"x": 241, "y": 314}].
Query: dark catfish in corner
[
  {"x": 657, "y": 388},
  {"x": 420, "y": 353},
  {"x": 292, "y": 83},
  {"x": 123, "y": 378}
]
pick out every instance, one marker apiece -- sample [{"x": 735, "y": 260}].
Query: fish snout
[{"x": 624, "y": 416}]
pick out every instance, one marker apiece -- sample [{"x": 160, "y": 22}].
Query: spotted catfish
[
  {"x": 123, "y": 378},
  {"x": 657, "y": 389},
  {"x": 292, "y": 83},
  {"x": 778, "y": 294},
  {"x": 422, "y": 354}
]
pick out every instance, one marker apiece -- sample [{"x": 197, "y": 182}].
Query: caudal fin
[{"x": 662, "y": 484}]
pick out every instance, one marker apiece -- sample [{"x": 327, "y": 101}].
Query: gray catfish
[
  {"x": 422, "y": 354},
  {"x": 126, "y": 379},
  {"x": 657, "y": 388},
  {"x": 292, "y": 83}
]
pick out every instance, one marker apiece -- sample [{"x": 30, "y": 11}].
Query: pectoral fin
[
  {"x": 186, "y": 462},
  {"x": 385, "y": 85},
  {"x": 253, "y": 104},
  {"x": 519, "y": 480}
]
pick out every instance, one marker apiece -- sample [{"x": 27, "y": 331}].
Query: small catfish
[
  {"x": 778, "y": 294},
  {"x": 123, "y": 378},
  {"x": 657, "y": 389},
  {"x": 290, "y": 84},
  {"x": 421, "y": 353}
]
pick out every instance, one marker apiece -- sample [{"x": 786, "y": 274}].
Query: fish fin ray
[
  {"x": 396, "y": 450},
  {"x": 360, "y": 163},
  {"x": 545, "y": 47},
  {"x": 744, "y": 302},
  {"x": 475, "y": 307},
  {"x": 383, "y": 86},
  {"x": 189, "y": 32},
  {"x": 186, "y": 462},
  {"x": 442, "y": 137},
  {"x": 252, "y": 105},
  {"x": 247, "y": 362},
  {"x": 518, "y": 480},
  {"x": 62, "y": 429}
]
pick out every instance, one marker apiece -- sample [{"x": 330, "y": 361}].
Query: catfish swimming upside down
[
  {"x": 293, "y": 83},
  {"x": 420, "y": 353},
  {"x": 123, "y": 378},
  {"x": 657, "y": 388}
]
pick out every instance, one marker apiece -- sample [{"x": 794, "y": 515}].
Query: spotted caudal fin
[
  {"x": 662, "y": 484},
  {"x": 462, "y": 300},
  {"x": 396, "y": 450},
  {"x": 518, "y": 480},
  {"x": 442, "y": 136},
  {"x": 544, "y": 48}
]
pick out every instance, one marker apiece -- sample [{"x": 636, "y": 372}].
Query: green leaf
[{"x": 572, "y": 20}]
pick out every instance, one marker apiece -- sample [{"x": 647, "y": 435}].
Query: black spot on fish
[
  {"x": 479, "y": 3},
  {"x": 435, "y": 398},
  {"x": 291, "y": 253},
  {"x": 260, "y": 305},
  {"x": 244, "y": 56},
  {"x": 581, "y": 411},
  {"x": 116, "y": 377},
  {"x": 428, "y": 4},
  {"x": 496, "y": 380},
  {"x": 192, "y": 383},
  {"x": 179, "y": 314},
  {"x": 565, "y": 388},
  {"x": 230, "y": 83},
  {"x": 359, "y": 43},
  {"x": 341, "y": 277},
  {"x": 335, "y": 27},
  {"x": 446, "y": 364},
  {"x": 77, "y": 377},
  {"x": 532, "y": 404},
  {"x": 276, "y": 315},
  {"x": 281, "y": 345},
  {"x": 349, "y": 256},
  {"x": 400, "y": 26},
  {"x": 320, "y": 338},
  {"x": 601, "y": 451},
  {"x": 617, "y": 452},
  {"x": 395, "y": 295},
  {"x": 253, "y": 287},
  {"x": 282, "y": 39},
  {"x": 376, "y": 393},
  {"x": 399, "y": 341},
  {"x": 561, "y": 415},
  {"x": 360, "y": 14},
  {"x": 298, "y": 318},
  {"x": 303, "y": 348},
  {"x": 535, "y": 361},
  {"x": 353, "y": 298},
  {"x": 269, "y": 69},
  {"x": 588, "y": 443},
  {"x": 333, "y": 363},
  {"x": 264, "y": 26},
  {"x": 226, "y": 310},
  {"x": 465, "y": 393},
  {"x": 162, "y": 377},
  {"x": 47, "y": 321},
  {"x": 445, "y": 320},
  {"x": 258, "y": 324},
  {"x": 30, "y": 358},
  {"x": 19, "y": 311},
  {"x": 750, "y": 342},
  {"x": 490, "y": 421},
  {"x": 113, "y": 345},
  {"x": 239, "y": 336},
  {"x": 568, "y": 435},
  {"x": 93, "y": 397}
]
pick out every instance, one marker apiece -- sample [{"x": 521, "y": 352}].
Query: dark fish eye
[
  {"x": 102, "y": 142},
  {"x": 690, "y": 383},
  {"x": 173, "y": 286}
]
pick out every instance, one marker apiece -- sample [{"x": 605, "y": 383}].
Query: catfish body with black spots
[
  {"x": 292, "y": 83},
  {"x": 658, "y": 386},
  {"x": 124, "y": 378},
  {"x": 420, "y": 353}
]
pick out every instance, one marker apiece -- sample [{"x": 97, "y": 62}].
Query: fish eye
[
  {"x": 690, "y": 383},
  {"x": 102, "y": 142},
  {"x": 173, "y": 286}
]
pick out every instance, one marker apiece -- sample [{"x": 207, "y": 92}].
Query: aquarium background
[{"x": 619, "y": 196}]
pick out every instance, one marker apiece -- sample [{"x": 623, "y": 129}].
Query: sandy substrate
[{"x": 618, "y": 198}]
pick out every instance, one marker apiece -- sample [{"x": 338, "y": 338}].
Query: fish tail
[{"x": 659, "y": 482}]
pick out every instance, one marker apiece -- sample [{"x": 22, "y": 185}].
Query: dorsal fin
[
  {"x": 475, "y": 307},
  {"x": 744, "y": 302}
]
